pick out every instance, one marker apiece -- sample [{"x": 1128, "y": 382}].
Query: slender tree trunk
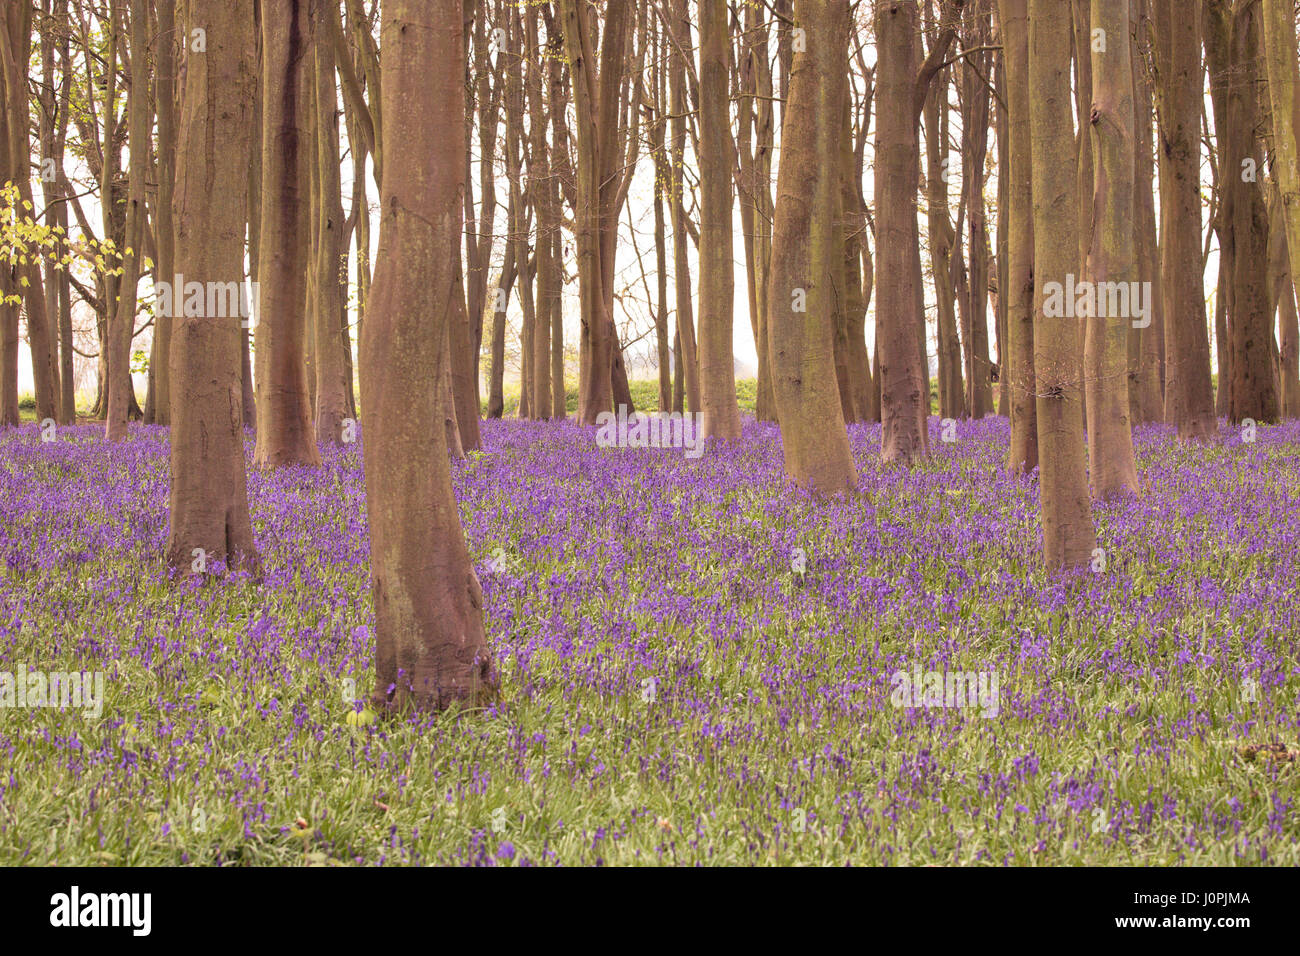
[
  {"x": 542, "y": 186},
  {"x": 333, "y": 344},
  {"x": 122, "y": 321},
  {"x": 1148, "y": 382},
  {"x": 663, "y": 174},
  {"x": 975, "y": 139},
  {"x": 209, "y": 500},
  {"x": 16, "y": 56},
  {"x": 165, "y": 47},
  {"x": 496, "y": 386},
  {"x": 1022, "y": 389},
  {"x": 757, "y": 132},
  {"x": 952, "y": 397},
  {"x": 681, "y": 239},
  {"x": 1068, "y": 534},
  {"x": 431, "y": 649},
  {"x": 717, "y": 261}
]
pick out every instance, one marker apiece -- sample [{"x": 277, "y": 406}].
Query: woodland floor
[{"x": 674, "y": 689}]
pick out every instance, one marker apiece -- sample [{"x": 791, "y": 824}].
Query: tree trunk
[
  {"x": 16, "y": 56},
  {"x": 1112, "y": 258},
  {"x": 681, "y": 239},
  {"x": 952, "y": 396},
  {"x": 1283, "y": 79},
  {"x": 431, "y": 649},
  {"x": 1253, "y": 392},
  {"x": 1147, "y": 382},
  {"x": 1019, "y": 291},
  {"x": 542, "y": 186},
  {"x": 815, "y": 441},
  {"x": 1189, "y": 399},
  {"x": 1068, "y": 534},
  {"x": 209, "y": 499},
  {"x": 284, "y": 423},
  {"x": 333, "y": 343},
  {"x": 905, "y": 395},
  {"x": 717, "y": 260}
]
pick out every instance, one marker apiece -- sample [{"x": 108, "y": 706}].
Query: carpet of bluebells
[{"x": 696, "y": 664}]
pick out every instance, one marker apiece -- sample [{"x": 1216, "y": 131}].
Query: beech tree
[
  {"x": 1112, "y": 257},
  {"x": 902, "y": 88},
  {"x": 800, "y": 296},
  {"x": 1189, "y": 398},
  {"x": 209, "y": 500},
  {"x": 1019, "y": 289},
  {"x": 1065, "y": 507},
  {"x": 430, "y": 647},
  {"x": 1283, "y": 74},
  {"x": 285, "y": 435},
  {"x": 717, "y": 265}
]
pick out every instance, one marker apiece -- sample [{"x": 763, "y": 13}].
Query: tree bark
[
  {"x": 717, "y": 260},
  {"x": 284, "y": 422},
  {"x": 431, "y": 648},
  {"x": 1068, "y": 534},
  {"x": 208, "y": 499},
  {"x": 1022, "y": 389},
  {"x": 333, "y": 343},
  {"x": 1283, "y": 73},
  {"x": 1189, "y": 399},
  {"x": 813, "y": 434},
  {"x": 1112, "y": 258}
]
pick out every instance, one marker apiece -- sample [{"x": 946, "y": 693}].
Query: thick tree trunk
[
  {"x": 1283, "y": 72},
  {"x": 1189, "y": 399},
  {"x": 209, "y": 499},
  {"x": 813, "y": 434},
  {"x": 284, "y": 423},
  {"x": 905, "y": 395},
  {"x": 1068, "y": 534},
  {"x": 431, "y": 649},
  {"x": 1112, "y": 258},
  {"x": 1253, "y": 391}
]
